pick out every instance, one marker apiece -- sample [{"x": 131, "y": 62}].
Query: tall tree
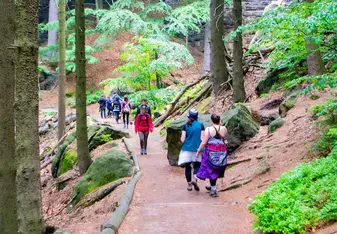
[
  {"x": 62, "y": 69},
  {"x": 207, "y": 49},
  {"x": 314, "y": 59},
  {"x": 8, "y": 208},
  {"x": 218, "y": 63},
  {"x": 53, "y": 16},
  {"x": 26, "y": 119},
  {"x": 238, "y": 82},
  {"x": 81, "y": 109}
]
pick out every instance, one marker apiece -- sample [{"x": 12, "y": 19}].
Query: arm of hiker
[
  {"x": 150, "y": 124},
  {"x": 204, "y": 142},
  {"x": 202, "y": 132},
  {"x": 149, "y": 111}
]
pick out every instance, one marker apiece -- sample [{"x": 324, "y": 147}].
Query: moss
[
  {"x": 99, "y": 135},
  {"x": 203, "y": 107},
  {"x": 277, "y": 123},
  {"x": 68, "y": 162},
  {"x": 288, "y": 104},
  {"x": 109, "y": 167}
]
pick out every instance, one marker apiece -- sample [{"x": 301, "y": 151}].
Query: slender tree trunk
[
  {"x": 314, "y": 59},
  {"x": 62, "y": 69},
  {"x": 207, "y": 49},
  {"x": 26, "y": 119},
  {"x": 8, "y": 208},
  {"x": 99, "y": 4},
  {"x": 218, "y": 63},
  {"x": 81, "y": 108},
  {"x": 238, "y": 82},
  {"x": 53, "y": 16}
]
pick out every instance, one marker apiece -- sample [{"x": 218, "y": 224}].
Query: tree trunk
[
  {"x": 218, "y": 63},
  {"x": 8, "y": 208},
  {"x": 26, "y": 119},
  {"x": 81, "y": 108},
  {"x": 53, "y": 16},
  {"x": 238, "y": 82},
  {"x": 99, "y": 4},
  {"x": 207, "y": 49},
  {"x": 62, "y": 69},
  {"x": 314, "y": 59}
]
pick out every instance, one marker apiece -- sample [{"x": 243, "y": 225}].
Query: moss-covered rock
[
  {"x": 203, "y": 107},
  {"x": 240, "y": 125},
  {"x": 68, "y": 162},
  {"x": 288, "y": 104},
  {"x": 99, "y": 135},
  {"x": 173, "y": 137},
  {"x": 60, "y": 154},
  {"x": 109, "y": 167},
  {"x": 238, "y": 121},
  {"x": 270, "y": 78},
  {"x": 277, "y": 123}
]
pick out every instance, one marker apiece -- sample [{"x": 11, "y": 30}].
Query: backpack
[
  {"x": 218, "y": 159},
  {"x": 127, "y": 107},
  {"x": 147, "y": 120},
  {"x": 116, "y": 107}
]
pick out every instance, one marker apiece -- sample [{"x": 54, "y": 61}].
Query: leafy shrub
[
  {"x": 327, "y": 110},
  {"x": 302, "y": 197}
]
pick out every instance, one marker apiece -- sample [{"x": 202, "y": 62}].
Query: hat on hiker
[{"x": 193, "y": 114}]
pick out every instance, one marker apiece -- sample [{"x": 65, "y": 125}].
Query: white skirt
[{"x": 187, "y": 157}]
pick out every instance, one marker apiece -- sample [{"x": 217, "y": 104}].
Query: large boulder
[
  {"x": 109, "y": 167},
  {"x": 240, "y": 125},
  {"x": 238, "y": 121},
  {"x": 271, "y": 78},
  {"x": 99, "y": 135},
  {"x": 288, "y": 104}
]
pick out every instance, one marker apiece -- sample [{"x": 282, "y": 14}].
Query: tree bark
[
  {"x": 8, "y": 208},
  {"x": 62, "y": 69},
  {"x": 218, "y": 63},
  {"x": 207, "y": 49},
  {"x": 84, "y": 159},
  {"x": 53, "y": 16},
  {"x": 99, "y": 4},
  {"x": 238, "y": 82},
  {"x": 26, "y": 119},
  {"x": 314, "y": 59}
]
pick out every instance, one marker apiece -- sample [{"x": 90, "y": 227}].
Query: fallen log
[
  {"x": 197, "y": 98},
  {"x": 98, "y": 195},
  {"x": 173, "y": 104},
  {"x": 51, "y": 125}
]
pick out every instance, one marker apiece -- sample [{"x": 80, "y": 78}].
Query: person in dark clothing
[
  {"x": 143, "y": 126},
  {"x": 191, "y": 136},
  {"x": 147, "y": 107},
  {"x": 126, "y": 109},
  {"x": 109, "y": 106},
  {"x": 102, "y": 106},
  {"x": 116, "y": 109}
]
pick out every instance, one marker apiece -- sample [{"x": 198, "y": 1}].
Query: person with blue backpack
[
  {"x": 214, "y": 158},
  {"x": 191, "y": 135},
  {"x": 117, "y": 108}
]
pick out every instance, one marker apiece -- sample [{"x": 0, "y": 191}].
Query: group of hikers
[
  {"x": 143, "y": 121},
  {"x": 204, "y": 149},
  {"x": 209, "y": 142}
]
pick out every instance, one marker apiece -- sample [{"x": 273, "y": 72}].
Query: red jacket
[{"x": 143, "y": 123}]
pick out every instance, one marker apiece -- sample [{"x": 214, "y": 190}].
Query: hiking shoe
[
  {"x": 195, "y": 185},
  {"x": 208, "y": 188},
  {"x": 189, "y": 187},
  {"x": 142, "y": 151},
  {"x": 145, "y": 152},
  {"x": 213, "y": 193}
]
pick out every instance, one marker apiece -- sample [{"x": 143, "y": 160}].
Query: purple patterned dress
[{"x": 214, "y": 149}]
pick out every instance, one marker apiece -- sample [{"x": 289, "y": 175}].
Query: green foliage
[
  {"x": 92, "y": 97},
  {"x": 287, "y": 30},
  {"x": 299, "y": 199},
  {"x": 324, "y": 145},
  {"x": 327, "y": 110}
]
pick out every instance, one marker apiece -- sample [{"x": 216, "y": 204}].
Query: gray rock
[{"x": 271, "y": 78}]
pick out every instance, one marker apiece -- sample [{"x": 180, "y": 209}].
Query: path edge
[{"x": 112, "y": 225}]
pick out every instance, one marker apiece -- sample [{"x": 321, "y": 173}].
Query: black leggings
[
  {"x": 188, "y": 170},
  {"x": 126, "y": 118},
  {"x": 213, "y": 182}
]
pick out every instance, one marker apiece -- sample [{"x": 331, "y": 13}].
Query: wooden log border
[{"x": 112, "y": 225}]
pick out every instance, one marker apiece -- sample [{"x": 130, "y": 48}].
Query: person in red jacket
[{"x": 143, "y": 126}]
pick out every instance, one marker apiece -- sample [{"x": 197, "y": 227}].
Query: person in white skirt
[{"x": 191, "y": 137}]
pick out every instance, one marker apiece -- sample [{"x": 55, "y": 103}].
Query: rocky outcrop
[
  {"x": 109, "y": 167},
  {"x": 275, "y": 125},
  {"x": 238, "y": 121},
  {"x": 288, "y": 103},
  {"x": 270, "y": 78}
]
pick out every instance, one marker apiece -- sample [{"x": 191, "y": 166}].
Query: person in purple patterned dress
[{"x": 214, "y": 158}]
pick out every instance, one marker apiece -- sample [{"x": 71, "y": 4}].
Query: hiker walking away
[
  {"x": 143, "y": 126},
  {"x": 114, "y": 96},
  {"x": 214, "y": 158},
  {"x": 191, "y": 135},
  {"x": 147, "y": 107},
  {"x": 116, "y": 107},
  {"x": 126, "y": 109},
  {"x": 102, "y": 106},
  {"x": 109, "y": 106}
]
